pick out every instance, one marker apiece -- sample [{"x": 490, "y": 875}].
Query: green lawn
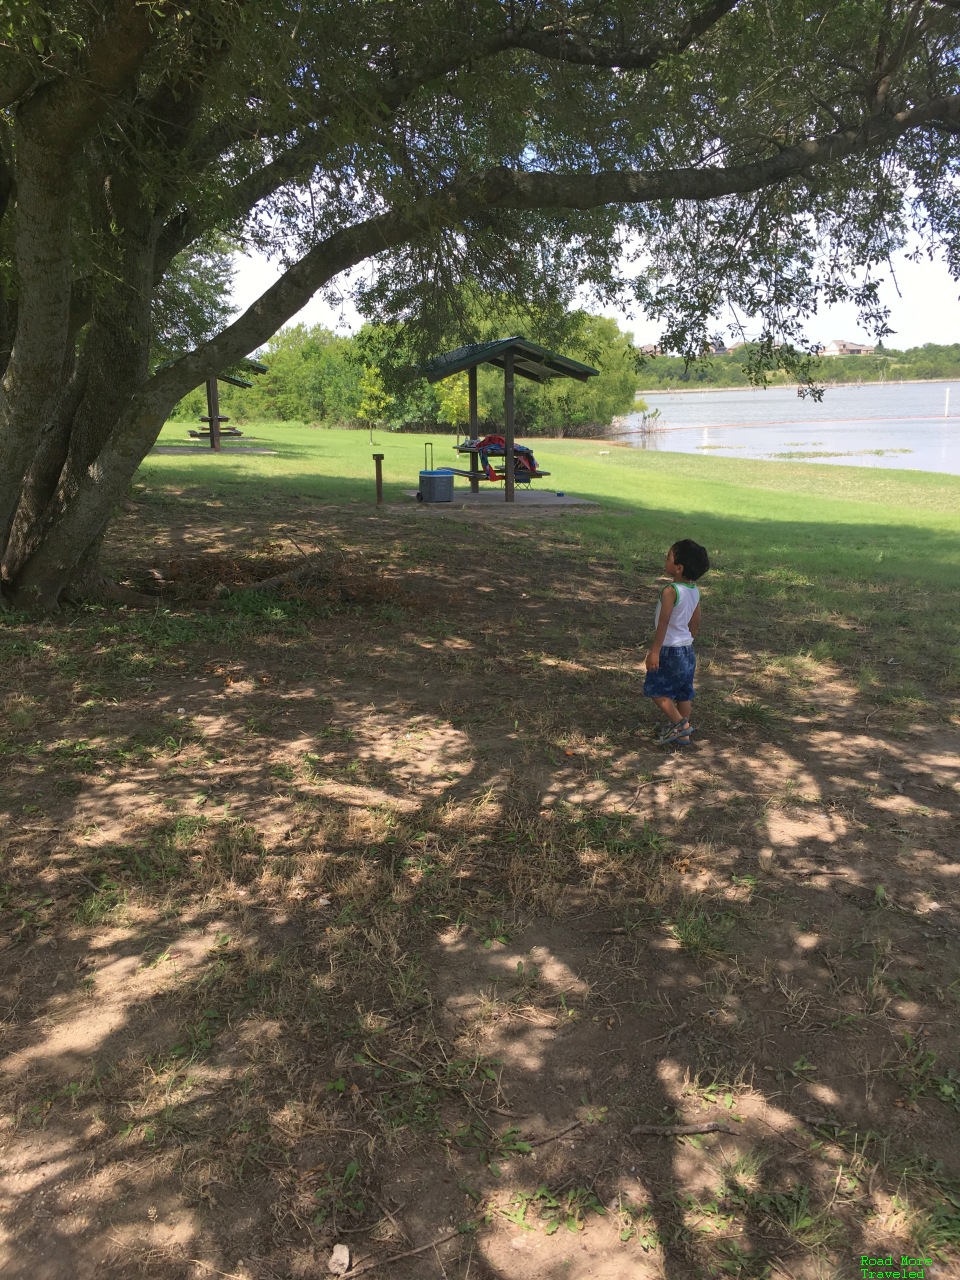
[{"x": 337, "y": 466}]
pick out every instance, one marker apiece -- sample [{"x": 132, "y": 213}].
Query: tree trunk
[
  {"x": 32, "y": 379},
  {"x": 40, "y": 482},
  {"x": 60, "y": 469},
  {"x": 49, "y": 571},
  {"x": 88, "y": 583}
]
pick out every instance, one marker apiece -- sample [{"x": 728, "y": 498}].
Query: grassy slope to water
[
  {"x": 320, "y": 461},
  {"x": 838, "y": 522}
]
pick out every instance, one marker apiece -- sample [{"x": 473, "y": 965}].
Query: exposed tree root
[
  {"x": 302, "y": 574},
  {"x": 105, "y": 591}
]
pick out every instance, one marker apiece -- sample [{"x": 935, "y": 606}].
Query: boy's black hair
[{"x": 692, "y": 556}]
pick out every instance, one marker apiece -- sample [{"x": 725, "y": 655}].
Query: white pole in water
[{"x": 946, "y": 404}]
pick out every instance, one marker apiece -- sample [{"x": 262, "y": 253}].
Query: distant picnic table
[{"x": 204, "y": 433}]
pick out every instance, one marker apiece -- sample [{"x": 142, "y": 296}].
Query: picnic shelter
[{"x": 517, "y": 358}]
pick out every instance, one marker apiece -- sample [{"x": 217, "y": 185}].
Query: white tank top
[{"x": 678, "y": 628}]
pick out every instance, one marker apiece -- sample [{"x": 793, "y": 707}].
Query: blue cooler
[{"x": 436, "y": 486}]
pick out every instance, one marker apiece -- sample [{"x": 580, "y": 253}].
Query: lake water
[{"x": 889, "y": 425}]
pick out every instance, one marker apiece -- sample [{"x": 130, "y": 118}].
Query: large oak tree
[{"x": 759, "y": 152}]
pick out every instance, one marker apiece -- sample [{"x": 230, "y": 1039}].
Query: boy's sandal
[{"x": 677, "y": 732}]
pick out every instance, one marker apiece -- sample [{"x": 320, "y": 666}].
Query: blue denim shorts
[{"x": 674, "y": 676}]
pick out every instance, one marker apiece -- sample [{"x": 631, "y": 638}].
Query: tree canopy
[{"x": 761, "y": 153}]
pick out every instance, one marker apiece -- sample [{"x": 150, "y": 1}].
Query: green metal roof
[
  {"x": 246, "y": 365},
  {"x": 529, "y": 361}
]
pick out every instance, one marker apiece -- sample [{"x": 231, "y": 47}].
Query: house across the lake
[{"x": 840, "y": 348}]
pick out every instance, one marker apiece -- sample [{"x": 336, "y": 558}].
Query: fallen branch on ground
[
  {"x": 302, "y": 573},
  {"x": 542, "y": 1142},
  {"x": 408, "y": 1253},
  {"x": 664, "y": 1035},
  {"x": 669, "y": 1130}
]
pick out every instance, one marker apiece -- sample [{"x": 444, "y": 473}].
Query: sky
[{"x": 923, "y": 302}]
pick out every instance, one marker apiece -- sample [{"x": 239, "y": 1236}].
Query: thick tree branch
[
  {"x": 516, "y": 189},
  {"x": 17, "y": 76},
  {"x": 186, "y": 225},
  {"x": 889, "y": 64},
  {"x": 883, "y": 37},
  {"x": 297, "y": 160},
  {"x": 296, "y": 287},
  {"x": 171, "y": 115},
  {"x": 301, "y": 157},
  {"x": 570, "y": 47}
]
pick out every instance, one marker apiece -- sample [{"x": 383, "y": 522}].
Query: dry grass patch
[{"x": 341, "y": 918}]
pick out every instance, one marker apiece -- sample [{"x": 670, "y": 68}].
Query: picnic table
[{"x": 521, "y": 474}]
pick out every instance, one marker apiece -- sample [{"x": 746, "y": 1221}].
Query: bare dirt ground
[{"x": 370, "y": 914}]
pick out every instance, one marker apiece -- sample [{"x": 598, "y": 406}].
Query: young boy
[{"x": 671, "y": 660}]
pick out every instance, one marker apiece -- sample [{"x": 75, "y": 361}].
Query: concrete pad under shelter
[{"x": 493, "y": 498}]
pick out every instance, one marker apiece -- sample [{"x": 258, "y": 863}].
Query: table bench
[{"x": 521, "y": 475}]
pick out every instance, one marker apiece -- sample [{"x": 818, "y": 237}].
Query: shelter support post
[
  {"x": 213, "y": 413},
  {"x": 508, "y": 427},
  {"x": 474, "y": 427}
]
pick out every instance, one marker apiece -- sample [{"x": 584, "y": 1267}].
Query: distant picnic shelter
[
  {"x": 214, "y": 418},
  {"x": 517, "y": 358}
]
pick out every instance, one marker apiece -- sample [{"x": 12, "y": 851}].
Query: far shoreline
[
  {"x": 702, "y": 391},
  {"x": 660, "y": 429}
]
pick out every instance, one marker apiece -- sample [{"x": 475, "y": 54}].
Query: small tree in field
[
  {"x": 760, "y": 152},
  {"x": 453, "y": 400},
  {"x": 375, "y": 401}
]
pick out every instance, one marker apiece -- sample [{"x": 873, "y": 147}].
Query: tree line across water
[{"x": 929, "y": 362}]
